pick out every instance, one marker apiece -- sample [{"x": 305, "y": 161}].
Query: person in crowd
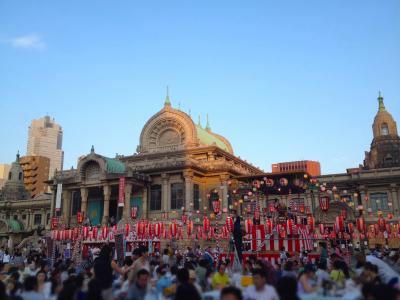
[
  {"x": 260, "y": 290},
  {"x": 337, "y": 274},
  {"x": 163, "y": 281},
  {"x": 304, "y": 284},
  {"x": 323, "y": 255},
  {"x": 386, "y": 273},
  {"x": 288, "y": 270},
  {"x": 201, "y": 271},
  {"x": 138, "y": 290},
  {"x": 103, "y": 267},
  {"x": 6, "y": 257},
  {"x": 185, "y": 290},
  {"x": 140, "y": 263},
  {"x": 68, "y": 292},
  {"x": 287, "y": 288},
  {"x": 193, "y": 281},
  {"x": 321, "y": 274},
  {"x": 94, "y": 290},
  {"x": 220, "y": 279},
  {"x": 43, "y": 286},
  {"x": 283, "y": 256},
  {"x": 165, "y": 257},
  {"x": 30, "y": 290},
  {"x": 231, "y": 293}
]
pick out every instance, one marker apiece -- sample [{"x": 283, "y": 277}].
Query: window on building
[
  {"x": 384, "y": 129},
  {"x": 37, "y": 219},
  {"x": 213, "y": 197},
  {"x": 76, "y": 202},
  {"x": 20, "y": 176},
  {"x": 48, "y": 219},
  {"x": 196, "y": 197},
  {"x": 15, "y": 217},
  {"x": 177, "y": 196},
  {"x": 9, "y": 175},
  {"x": 155, "y": 197},
  {"x": 23, "y": 217},
  {"x": 379, "y": 201}
]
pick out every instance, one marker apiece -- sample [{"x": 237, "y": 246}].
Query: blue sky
[{"x": 282, "y": 80}]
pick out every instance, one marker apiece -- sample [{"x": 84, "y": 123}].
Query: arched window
[
  {"x": 20, "y": 176},
  {"x": 9, "y": 175},
  {"x": 384, "y": 129}
]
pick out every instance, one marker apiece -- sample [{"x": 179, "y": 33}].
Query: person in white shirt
[
  {"x": 6, "y": 257},
  {"x": 386, "y": 273},
  {"x": 165, "y": 257},
  {"x": 260, "y": 290}
]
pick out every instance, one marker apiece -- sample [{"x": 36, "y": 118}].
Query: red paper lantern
[
  {"x": 76, "y": 233},
  {"x": 381, "y": 223},
  {"x": 343, "y": 213},
  {"x": 134, "y": 212},
  {"x": 339, "y": 224},
  {"x": 159, "y": 229},
  {"x": 127, "y": 228},
  {"x": 324, "y": 203},
  {"x": 248, "y": 224},
  {"x": 311, "y": 223},
  {"x": 85, "y": 232},
  {"x": 229, "y": 223},
  {"x": 173, "y": 228},
  {"x": 184, "y": 219},
  {"x": 361, "y": 224},
  {"x": 95, "y": 232},
  {"x": 321, "y": 229},
  {"x": 79, "y": 217},
  {"x": 271, "y": 208},
  {"x": 390, "y": 216},
  {"x": 206, "y": 224},
  {"x": 388, "y": 228},
  {"x": 54, "y": 223},
  {"x": 289, "y": 226},
  {"x": 216, "y": 206},
  {"x": 189, "y": 227},
  {"x": 350, "y": 227},
  {"x": 301, "y": 208},
  {"x": 332, "y": 235},
  {"x": 151, "y": 229},
  {"x": 104, "y": 232}
]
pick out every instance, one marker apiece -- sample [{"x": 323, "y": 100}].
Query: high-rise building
[
  {"x": 45, "y": 139},
  {"x": 4, "y": 170},
  {"x": 36, "y": 172},
  {"x": 308, "y": 166}
]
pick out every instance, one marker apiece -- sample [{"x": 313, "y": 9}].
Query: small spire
[
  {"x": 167, "y": 101},
  {"x": 190, "y": 113},
  {"x": 199, "y": 121},
  {"x": 92, "y": 149},
  {"x": 179, "y": 105},
  {"x": 380, "y": 100},
  {"x": 208, "y": 127},
  {"x": 17, "y": 157}
]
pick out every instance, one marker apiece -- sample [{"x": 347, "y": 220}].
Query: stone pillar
[
  {"x": 53, "y": 201},
  {"x": 145, "y": 202},
  {"x": 127, "y": 203},
  {"x": 363, "y": 193},
  {"x": 395, "y": 202},
  {"x": 43, "y": 212},
  {"x": 66, "y": 206},
  {"x": 106, "y": 204},
  {"x": 84, "y": 197},
  {"x": 165, "y": 198},
  {"x": 224, "y": 190},
  {"x": 188, "y": 176}
]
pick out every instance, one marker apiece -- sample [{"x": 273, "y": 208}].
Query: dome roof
[
  {"x": 384, "y": 124},
  {"x": 172, "y": 129}
]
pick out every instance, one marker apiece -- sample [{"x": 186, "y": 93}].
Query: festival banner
[
  {"x": 58, "y": 197},
  {"x": 121, "y": 195},
  {"x": 119, "y": 248}
]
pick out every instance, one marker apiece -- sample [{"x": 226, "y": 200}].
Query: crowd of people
[{"x": 196, "y": 275}]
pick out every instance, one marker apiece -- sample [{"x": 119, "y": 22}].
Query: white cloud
[{"x": 31, "y": 41}]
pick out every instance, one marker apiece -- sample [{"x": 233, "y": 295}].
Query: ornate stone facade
[{"x": 176, "y": 165}]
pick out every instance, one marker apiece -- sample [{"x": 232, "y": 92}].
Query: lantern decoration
[
  {"x": 268, "y": 226},
  {"x": 289, "y": 226},
  {"x": 301, "y": 208},
  {"x": 158, "y": 229},
  {"x": 282, "y": 232},
  {"x": 127, "y": 229},
  {"x": 229, "y": 223},
  {"x": 321, "y": 229},
  {"x": 269, "y": 182},
  {"x": 54, "y": 223},
  {"x": 343, "y": 213},
  {"x": 311, "y": 223},
  {"x": 85, "y": 232},
  {"x": 324, "y": 203},
  {"x": 206, "y": 224},
  {"x": 257, "y": 212},
  {"x": 350, "y": 228},
  {"x": 94, "y": 233},
  {"x": 151, "y": 229},
  {"x": 248, "y": 225},
  {"x": 375, "y": 228},
  {"x": 332, "y": 235},
  {"x": 141, "y": 228},
  {"x": 339, "y": 224},
  {"x": 388, "y": 228},
  {"x": 76, "y": 233},
  {"x": 390, "y": 216},
  {"x": 271, "y": 207},
  {"x": 173, "y": 229},
  {"x": 189, "y": 228},
  {"x": 361, "y": 225},
  {"x": 134, "y": 212},
  {"x": 283, "y": 182},
  {"x": 381, "y": 223},
  {"x": 79, "y": 217},
  {"x": 216, "y": 204},
  {"x": 184, "y": 219},
  {"x": 104, "y": 232}
]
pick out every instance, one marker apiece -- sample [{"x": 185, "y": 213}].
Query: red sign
[{"x": 121, "y": 195}]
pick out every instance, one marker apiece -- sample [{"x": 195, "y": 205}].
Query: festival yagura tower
[{"x": 177, "y": 164}]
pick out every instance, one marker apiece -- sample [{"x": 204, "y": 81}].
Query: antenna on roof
[
  {"x": 167, "y": 102},
  {"x": 208, "y": 127}
]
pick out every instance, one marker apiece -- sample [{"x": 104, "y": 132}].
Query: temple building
[
  {"x": 177, "y": 165},
  {"x": 20, "y": 214}
]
